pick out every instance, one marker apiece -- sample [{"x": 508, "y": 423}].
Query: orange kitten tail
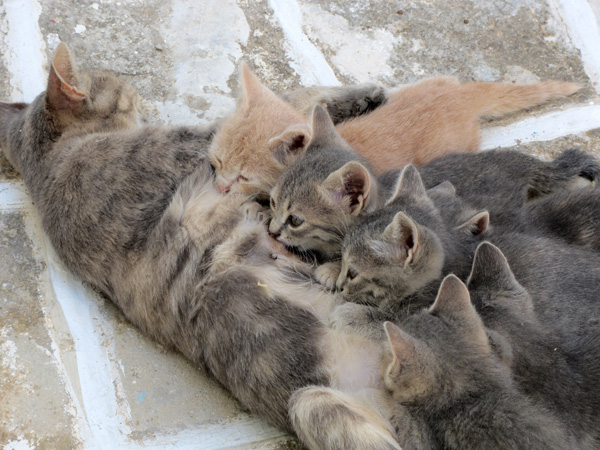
[{"x": 496, "y": 99}]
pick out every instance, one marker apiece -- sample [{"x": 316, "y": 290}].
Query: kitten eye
[
  {"x": 272, "y": 204},
  {"x": 351, "y": 274},
  {"x": 295, "y": 221},
  {"x": 242, "y": 178},
  {"x": 218, "y": 163}
]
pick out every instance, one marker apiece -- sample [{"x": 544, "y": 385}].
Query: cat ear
[
  {"x": 324, "y": 133},
  {"x": 491, "y": 269},
  {"x": 291, "y": 144},
  {"x": 351, "y": 187},
  {"x": 476, "y": 225},
  {"x": 63, "y": 92},
  {"x": 252, "y": 89},
  {"x": 403, "y": 233},
  {"x": 445, "y": 188},
  {"x": 403, "y": 347},
  {"x": 410, "y": 183},
  {"x": 453, "y": 301}
]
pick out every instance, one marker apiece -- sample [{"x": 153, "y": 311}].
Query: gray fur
[
  {"x": 445, "y": 374},
  {"x": 553, "y": 371},
  {"x": 341, "y": 102},
  {"x": 134, "y": 212}
]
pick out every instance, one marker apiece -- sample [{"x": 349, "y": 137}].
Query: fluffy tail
[
  {"x": 327, "y": 419},
  {"x": 496, "y": 99}
]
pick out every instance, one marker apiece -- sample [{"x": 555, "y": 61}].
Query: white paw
[
  {"x": 327, "y": 274},
  {"x": 256, "y": 212}
]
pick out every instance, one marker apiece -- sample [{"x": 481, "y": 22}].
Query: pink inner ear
[{"x": 72, "y": 92}]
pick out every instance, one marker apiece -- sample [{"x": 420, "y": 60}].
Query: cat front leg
[
  {"x": 254, "y": 211},
  {"x": 342, "y": 102},
  {"x": 328, "y": 273},
  {"x": 360, "y": 320}
]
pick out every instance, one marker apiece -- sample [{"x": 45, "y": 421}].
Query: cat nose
[
  {"x": 275, "y": 234},
  {"x": 223, "y": 186}
]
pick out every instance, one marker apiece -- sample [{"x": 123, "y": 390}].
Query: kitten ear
[
  {"x": 291, "y": 144},
  {"x": 252, "y": 88},
  {"x": 476, "y": 225},
  {"x": 410, "y": 183},
  {"x": 453, "y": 301},
  {"x": 63, "y": 92},
  {"x": 324, "y": 133},
  {"x": 403, "y": 347},
  {"x": 403, "y": 233},
  {"x": 491, "y": 270},
  {"x": 445, "y": 188},
  {"x": 351, "y": 187}
]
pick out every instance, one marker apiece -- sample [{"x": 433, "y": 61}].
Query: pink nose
[{"x": 223, "y": 186}]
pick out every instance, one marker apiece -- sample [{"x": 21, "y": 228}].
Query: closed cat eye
[
  {"x": 272, "y": 204},
  {"x": 242, "y": 178},
  {"x": 295, "y": 221},
  {"x": 351, "y": 274}
]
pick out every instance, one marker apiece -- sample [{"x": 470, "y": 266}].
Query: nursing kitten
[
  {"x": 405, "y": 247},
  {"x": 552, "y": 371},
  {"x": 134, "y": 211},
  {"x": 416, "y": 123},
  {"x": 441, "y": 368}
]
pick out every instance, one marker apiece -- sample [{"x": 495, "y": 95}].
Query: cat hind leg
[{"x": 328, "y": 419}]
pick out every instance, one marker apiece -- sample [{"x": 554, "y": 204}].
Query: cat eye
[
  {"x": 242, "y": 178},
  {"x": 272, "y": 204},
  {"x": 351, "y": 274},
  {"x": 295, "y": 221},
  {"x": 218, "y": 163}
]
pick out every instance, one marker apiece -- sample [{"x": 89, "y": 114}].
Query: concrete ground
[{"x": 73, "y": 373}]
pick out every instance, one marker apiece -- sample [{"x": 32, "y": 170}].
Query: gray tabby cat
[
  {"x": 442, "y": 371},
  {"x": 133, "y": 210},
  {"x": 561, "y": 374}
]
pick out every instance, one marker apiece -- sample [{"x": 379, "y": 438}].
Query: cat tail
[
  {"x": 328, "y": 419},
  {"x": 496, "y": 99}
]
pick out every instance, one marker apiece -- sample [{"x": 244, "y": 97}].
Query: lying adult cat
[{"x": 133, "y": 211}]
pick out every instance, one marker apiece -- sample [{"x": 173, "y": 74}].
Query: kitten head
[
  {"x": 396, "y": 250},
  {"x": 441, "y": 354},
  {"x": 79, "y": 102},
  {"x": 404, "y": 246},
  {"x": 258, "y": 141},
  {"x": 322, "y": 193}
]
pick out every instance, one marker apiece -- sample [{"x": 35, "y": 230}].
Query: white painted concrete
[
  {"x": 306, "y": 59},
  {"x": 25, "y": 57},
  {"x": 583, "y": 28},
  {"x": 543, "y": 128}
]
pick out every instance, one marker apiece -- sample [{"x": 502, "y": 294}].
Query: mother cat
[{"x": 133, "y": 211}]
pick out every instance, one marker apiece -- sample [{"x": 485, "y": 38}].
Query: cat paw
[
  {"x": 256, "y": 212},
  {"x": 352, "y": 318},
  {"x": 327, "y": 274}
]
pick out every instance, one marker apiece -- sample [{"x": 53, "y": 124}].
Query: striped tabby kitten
[{"x": 134, "y": 211}]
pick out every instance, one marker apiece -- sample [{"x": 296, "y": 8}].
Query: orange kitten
[{"x": 417, "y": 124}]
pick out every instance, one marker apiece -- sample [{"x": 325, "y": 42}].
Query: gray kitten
[
  {"x": 134, "y": 211},
  {"x": 441, "y": 369},
  {"x": 556, "y": 372}
]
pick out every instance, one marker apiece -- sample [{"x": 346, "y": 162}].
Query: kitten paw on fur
[
  {"x": 327, "y": 274},
  {"x": 255, "y": 211},
  {"x": 352, "y": 318}
]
